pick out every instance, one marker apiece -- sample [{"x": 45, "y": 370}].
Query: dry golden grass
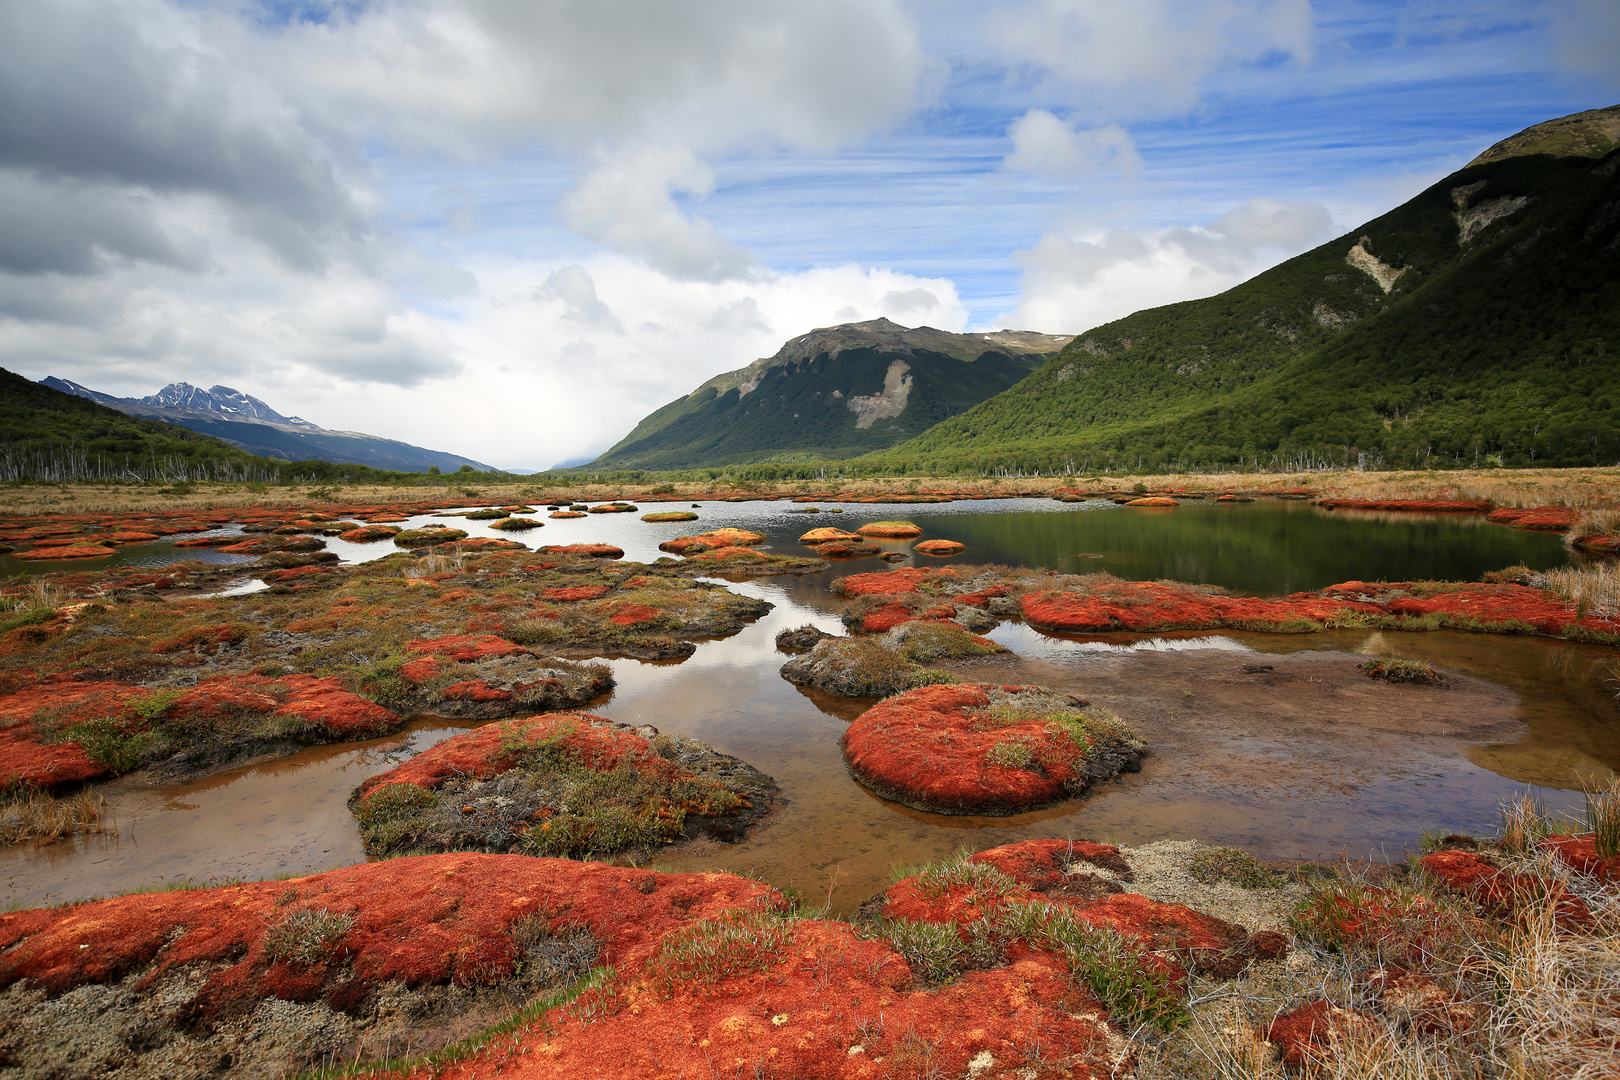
[
  {"x": 32, "y": 816},
  {"x": 1593, "y": 589},
  {"x": 1602, "y": 521},
  {"x": 1581, "y": 488},
  {"x": 1547, "y": 1003}
]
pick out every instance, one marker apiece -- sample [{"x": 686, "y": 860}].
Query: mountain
[
  {"x": 1478, "y": 323},
  {"x": 49, "y": 434},
  {"x": 248, "y": 423},
  {"x": 834, "y": 392}
]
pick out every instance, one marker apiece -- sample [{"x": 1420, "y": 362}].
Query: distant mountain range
[
  {"x": 1476, "y": 324},
  {"x": 248, "y": 423},
  {"x": 832, "y": 393}
]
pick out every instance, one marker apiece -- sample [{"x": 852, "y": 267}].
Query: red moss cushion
[{"x": 984, "y": 749}]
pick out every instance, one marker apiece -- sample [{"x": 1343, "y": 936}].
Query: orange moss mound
[
  {"x": 68, "y": 551},
  {"x": 938, "y": 748},
  {"x": 1060, "y": 872},
  {"x": 671, "y": 515},
  {"x": 1498, "y": 892},
  {"x": 1580, "y": 853},
  {"x": 824, "y": 535},
  {"x": 575, "y": 592},
  {"x": 940, "y": 547},
  {"x": 1153, "y": 500},
  {"x": 368, "y": 533},
  {"x": 886, "y": 582},
  {"x": 595, "y": 551},
  {"x": 480, "y": 754},
  {"x": 566, "y": 514},
  {"x": 1546, "y": 518},
  {"x": 1152, "y": 606},
  {"x": 895, "y": 530},
  {"x": 315, "y": 700},
  {"x": 425, "y": 921},
  {"x": 731, "y": 537},
  {"x": 1416, "y": 506},
  {"x": 466, "y": 648},
  {"x": 26, "y": 759}
]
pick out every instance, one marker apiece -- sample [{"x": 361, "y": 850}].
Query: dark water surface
[{"x": 831, "y": 836}]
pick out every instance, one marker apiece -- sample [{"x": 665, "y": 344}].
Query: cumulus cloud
[
  {"x": 627, "y": 203},
  {"x": 1128, "y": 58},
  {"x": 133, "y": 99},
  {"x": 910, "y": 302},
  {"x": 1080, "y": 279},
  {"x": 471, "y": 74},
  {"x": 573, "y": 286},
  {"x": 1051, "y": 150},
  {"x": 689, "y": 331}
]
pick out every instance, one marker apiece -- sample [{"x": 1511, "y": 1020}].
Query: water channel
[{"x": 833, "y": 838}]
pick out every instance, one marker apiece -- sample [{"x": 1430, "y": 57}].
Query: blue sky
[{"x": 405, "y": 216}]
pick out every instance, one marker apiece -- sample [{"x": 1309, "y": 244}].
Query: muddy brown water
[{"x": 1309, "y": 760}]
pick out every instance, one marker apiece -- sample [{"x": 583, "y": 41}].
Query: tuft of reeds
[
  {"x": 1599, "y": 521},
  {"x": 1592, "y": 590},
  {"x": 33, "y": 816},
  {"x": 1602, "y": 819}
]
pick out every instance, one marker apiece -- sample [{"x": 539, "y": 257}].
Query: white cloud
[
  {"x": 575, "y": 288},
  {"x": 585, "y": 387},
  {"x": 1074, "y": 280},
  {"x": 917, "y": 302},
  {"x": 189, "y": 191},
  {"x": 1052, "y": 151},
  {"x": 626, "y": 204},
  {"x": 1123, "y": 59},
  {"x": 472, "y": 74}
]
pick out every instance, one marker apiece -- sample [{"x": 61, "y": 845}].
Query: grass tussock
[
  {"x": 310, "y": 936},
  {"x": 1593, "y": 523},
  {"x": 33, "y": 816},
  {"x": 1593, "y": 590},
  {"x": 1234, "y": 866},
  {"x": 1393, "y": 670}
]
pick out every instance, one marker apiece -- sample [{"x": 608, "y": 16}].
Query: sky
[{"x": 511, "y": 228}]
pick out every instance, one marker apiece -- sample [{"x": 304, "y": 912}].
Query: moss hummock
[{"x": 985, "y": 749}]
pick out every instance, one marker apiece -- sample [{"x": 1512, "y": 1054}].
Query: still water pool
[{"x": 832, "y": 838}]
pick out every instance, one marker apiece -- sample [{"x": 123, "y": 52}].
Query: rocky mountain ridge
[
  {"x": 834, "y": 391},
  {"x": 250, "y": 424}
]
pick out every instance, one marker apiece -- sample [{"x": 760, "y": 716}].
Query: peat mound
[
  {"x": 826, "y": 535},
  {"x": 571, "y": 784},
  {"x": 1102, "y": 603},
  {"x": 58, "y": 733},
  {"x": 712, "y": 540},
  {"x": 940, "y": 547},
  {"x": 275, "y": 977},
  {"x": 859, "y": 667},
  {"x": 891, "y": 530},
  {"x": 983, "y": 749}
]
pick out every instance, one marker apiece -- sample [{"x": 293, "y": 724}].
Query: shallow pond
[{"x": 831, "y": 837}]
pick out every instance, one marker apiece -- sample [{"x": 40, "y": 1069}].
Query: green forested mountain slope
[
  {"x": 46, "y": 434},
  {"x": 832, "y": 393},
  {"x": 1498, "y": 339},
  {"x": 37, "y": 420}
]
